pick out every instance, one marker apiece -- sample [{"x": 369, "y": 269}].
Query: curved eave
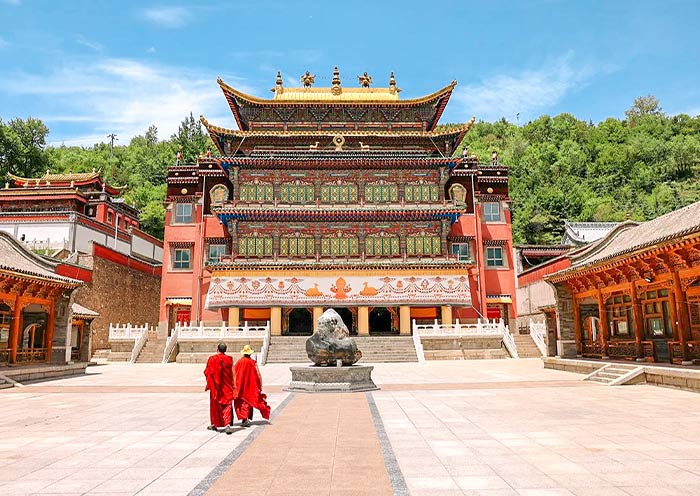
[
  {"x": 441, "y": 97},
  {"x": 244, "y": 264},
  {"x": 458, "y": 131},
  {"x": 327, "y": 215},
  {"x": 347, "y": 163}
]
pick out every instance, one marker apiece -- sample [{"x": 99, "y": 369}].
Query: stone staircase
[
  {"x": 152, "y": 351},
  {"x": 611, "y": 372},
  {"x": 5, "y": 384},
  {"x": 377, "y": 349},
  {"x": 292, "y": 349},
  {"x": 526, "y": 346},
  {"x": 101, "y": 354},
  {"x": 287, "y": 349}
]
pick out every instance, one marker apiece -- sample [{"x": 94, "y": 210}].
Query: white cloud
[
  {"x": 167, "y": 17},
  {"x": 528, "y": 93},
  {"x": 11, "y": 2},
  {"x": 123, "y": 96},
  {"x": 151, "y": 50},
  {"x": 90, "y": 44}
]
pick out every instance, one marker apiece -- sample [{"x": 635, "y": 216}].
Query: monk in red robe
[
  {"x": 219, "y": 374},
  {"x": 248, "y": 393}
]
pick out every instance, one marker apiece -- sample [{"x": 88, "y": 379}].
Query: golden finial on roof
[
  {"x": 335, "y": 83},
  {"x": 365, "y": 80},
  {"x": 278, "y": 84},
  {"x": 307, "y": 79},
  {"x": 93, "y": 170},
  {"x": 392, "y": 84}
]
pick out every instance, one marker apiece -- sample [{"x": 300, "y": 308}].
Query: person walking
[
  {"x": 219, "y": 374},
  {"x": 248, "y": 390}
]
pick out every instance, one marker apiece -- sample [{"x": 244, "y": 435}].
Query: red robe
[
  {"x": 248, "y": 393},
  {"x": 219, "y": 374}
]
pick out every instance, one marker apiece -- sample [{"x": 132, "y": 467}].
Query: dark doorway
[
  {"x": 346, "y": 315},
  {"x": 300, "y": 322},
  {"x": 381, "y": 321}
]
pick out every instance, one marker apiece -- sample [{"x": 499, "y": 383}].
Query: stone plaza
[{"x": 496, "y": 427}]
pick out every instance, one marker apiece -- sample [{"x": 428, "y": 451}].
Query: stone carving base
[{"x": 313, "y": 379}]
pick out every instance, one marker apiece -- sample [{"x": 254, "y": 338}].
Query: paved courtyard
[{"x": 498, "y": 427}]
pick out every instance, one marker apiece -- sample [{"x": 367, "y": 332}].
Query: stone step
[{"x": 5, "y": 385}]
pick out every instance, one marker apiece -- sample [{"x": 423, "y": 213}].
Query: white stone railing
[
  {"x": 418, "y": 344},
  {"x": 483, "y": 327},
  {"x": 218, "y": 333},
  {"x": 126, "y": 332},
  {"x": 538, "y": 331},
  {"x": 265, "y": 347},
  {"x": 138, "y": 346},
  {"x": 170, "y": 344}
]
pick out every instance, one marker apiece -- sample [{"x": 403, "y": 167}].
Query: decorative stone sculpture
[{"x": 332, "y": 342}]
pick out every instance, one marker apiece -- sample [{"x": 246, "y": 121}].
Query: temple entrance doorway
[
  {"x": 383, "y": 320},
  {"x": 300, "y": 322},
  {"x": 348, "y": 319},
  {"x": 32, "y": 343},
  {"x": 591, "y": 338}
]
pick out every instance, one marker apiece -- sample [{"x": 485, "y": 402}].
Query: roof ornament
[
  {"x": 335, "y": 83},
  {"x": 278, "y": 84},
  {"x": 392, "y": 84},
  {"x": 365, "y": 80},
  {"x": 308, "y": 79}
]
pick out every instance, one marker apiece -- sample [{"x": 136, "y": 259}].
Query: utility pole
[{"x": 112, "y": 137}]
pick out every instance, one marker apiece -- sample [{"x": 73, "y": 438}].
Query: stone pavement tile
[
  {"x": 131, "y": 486},
  {"x": 529, "y": 481},
  {"x": 69, "y": 486},
  {"x": 468, "y": 470},
  {"x": 598, "y": 491},
  {"x": 481, "y": 482},
  {"x": 544, "y": 492},
  {"x": 653, "y": 490},
  {"x": 436, "y": 484},
  {"x": 572, "y": 481},
  {"x": 23, "y": 487}
]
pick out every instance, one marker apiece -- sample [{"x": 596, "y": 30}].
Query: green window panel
[
  {"x": 256, "y": 192},
  {"x": 422, "y": 245},
  {"x": 382, "y": 246},
  {"x": 297, "y": 193},
  {"x": 421, "y": 192},
  {"x": 297, "y": 246},
  {"x": 255, "y": 247},
  {"x": 381, "y": 193},
  {"x": 339, "y": 246},
  {"x": 341, "y": 193}
]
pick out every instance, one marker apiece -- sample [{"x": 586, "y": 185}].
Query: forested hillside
[
  {"x": 564, "y": 168},
  {"x": 560, "y": 167}
]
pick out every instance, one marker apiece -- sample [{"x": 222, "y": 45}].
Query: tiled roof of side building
[
  {"x": 586, "y": 232},
  {"x": 60, "y": 178},
  {"x": 82, "y": 312},
  {"x": 15, "y": 258},
  {"x": 630, "y": 236}
]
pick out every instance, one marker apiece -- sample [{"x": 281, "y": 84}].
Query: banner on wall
[{"x": 333, "y": 290}]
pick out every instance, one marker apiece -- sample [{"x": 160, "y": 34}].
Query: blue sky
[{"x": 89, "y": 68}]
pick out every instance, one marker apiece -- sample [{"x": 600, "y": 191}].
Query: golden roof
[
  {"x": 331, "y": 94},
  {"x": 59, "y": 178}
]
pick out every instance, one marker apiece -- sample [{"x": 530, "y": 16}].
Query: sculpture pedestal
[{"x": 313, "y": 379}]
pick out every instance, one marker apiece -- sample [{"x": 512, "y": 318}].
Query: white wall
[{"x": 57, "y": 234}]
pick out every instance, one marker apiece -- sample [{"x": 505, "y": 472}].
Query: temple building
[
  {"x": 633, "y": 295},
  {"x": 338, "y": 197},
  {"x": 36, "y": 315},
  {"x": 87, "y": 230},
  {"x": 61, "y": 214}
]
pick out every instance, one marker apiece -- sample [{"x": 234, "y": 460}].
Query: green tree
[
  {"x": 22, "y": 144},
  {"x": 191, "y": 139},
  {"x": 643, "y": 105}
]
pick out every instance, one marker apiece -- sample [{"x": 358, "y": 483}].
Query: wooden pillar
[
  {"x": 50, "y": 324},
  {"x": 405, "y": 321},
  {"x": 577, "y": 326},
  {"x": 363, "y": 321},
  {"x": 317, "y": 312},
  {"x": 683, "y": 319},
  {"x": 604, "y": 331},
  {"x": 234, "y": 316},
  {"x": 14, "y": 329},
  {"x": 276, "y": 321},
  {"x": 638, "y": 317},
  {"x": 446, "y": 314}
]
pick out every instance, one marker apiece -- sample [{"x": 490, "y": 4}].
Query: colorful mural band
[{"x": 347, "y": 290}]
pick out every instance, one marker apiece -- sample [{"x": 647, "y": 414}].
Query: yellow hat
[{"x": 247, "y": 350}]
